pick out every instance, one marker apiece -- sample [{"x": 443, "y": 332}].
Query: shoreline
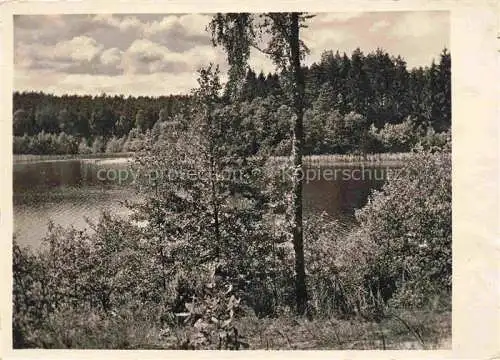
[{"x": 325, "y": 159}]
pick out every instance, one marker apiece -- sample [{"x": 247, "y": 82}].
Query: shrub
[
  {"x": 100, "y": 270},
  {"x": 115, "y": 145},
  {"x": 435, "y": 142},
  {"x": 409, "y": 220},
  {"x": 396, "y": 137},
  {"x": 98, "y": 145},
  {"x": 67, "y": 144},
  {"x": 399, "y": 253},
  {"x": 83, "y": 147},
  {"x": 45, "y": 143},
  {"x": 22, "y": 144},
  {"x": 134, "y": 141},
  {"x": 338, "y": 260}
]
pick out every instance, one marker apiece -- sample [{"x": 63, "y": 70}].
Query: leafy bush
[
  {"x": 101, "y": 288},
  {"x": 98, "y": 145},
  {"x": 409, "y": 221},
  {"x": 103, "y": 270},
  {"x": 135, "y": 141},
  {"x": 83, "y": 147},
  {"x": 396, "y": 137},
  {"x": 22, "y": 144},
  {"x": 399, "y": 253},
  {"x": 67, "y": 144},
  {"x": 45, "y": 143},
  {"x": 115, "y": 145},
  {"x": 213, "y": 195},
  {"x": 435, "y": 142}
]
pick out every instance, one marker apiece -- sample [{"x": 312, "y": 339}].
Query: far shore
[
  {"x": 23, "y": 158},
  {"x": 315, "y": 160}
]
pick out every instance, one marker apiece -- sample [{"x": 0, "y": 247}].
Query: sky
[{"x": 159, "y": 54}]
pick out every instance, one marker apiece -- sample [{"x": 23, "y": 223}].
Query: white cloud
[
  {"x": 111, "y": 56},
  {"x": 135, "y": 84},
  {"x": 261, "y": 62},
  {"x": 318, "y": 39},
  {"x": 338, "y": 16},
  {"x": 382, "y": 24},
  {"x": 80, "y": 48},
  {"x": 146, "y": 56},
  {"x": 124, "y": 24},
  {"x": 158, "y": 55},
  {"x": 190, "y": 25},
  {"x": 415, "y": 24}
]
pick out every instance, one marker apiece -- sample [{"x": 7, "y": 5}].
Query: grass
[
  {"x": 428, "y": 331},
  {"x": 87, "y": 330},
  {"x": 350, "y": 158},
  {"x": 372, "y": 160}
]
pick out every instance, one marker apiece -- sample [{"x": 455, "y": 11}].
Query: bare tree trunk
[
  {"x": 215, "y": 206},
  {"x": 213, "y": 185},
  {"x": 297, "y": 150}
]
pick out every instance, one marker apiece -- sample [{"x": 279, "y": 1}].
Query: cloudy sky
[{"x": 159, "y": 54}]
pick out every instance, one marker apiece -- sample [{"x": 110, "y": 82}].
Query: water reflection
[{"x": 71, "y": 191}]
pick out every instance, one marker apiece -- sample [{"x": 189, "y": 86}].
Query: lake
[{"x": 70, "y": 191}]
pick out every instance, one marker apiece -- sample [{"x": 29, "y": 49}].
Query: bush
[
  {"x": 399, "y": 253},
  {"x": 98, "y": 145},
  {"x": 396, "y": 137},
  {"x": 134, "y": 141},
  {"x": 100, "y": 270},
  {"x": 45, "y": 143},
  {"x": 409, "y": 221},
  {"x": 22, "y": 144},
  {"x": 435, "y": 142},
  {"x": 115, "y": 145},
  {"x": 83, "y": 147}
]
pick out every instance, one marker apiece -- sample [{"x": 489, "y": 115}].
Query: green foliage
[
  {"x": 433, "y": 141},
  {"x": 400, "y": 137},
  {"x": 44, "y": 143},
  {"x": 115, "y": 145},
  {"x": 212, "y": 240},
  {"x": 410, "y": 223},
  {"x": 22, "y": 122},
  {"x": 98, "y": 145},
  {"x": 376, "y": 85},
  {"x": 123, "y": 125},
  {"x": 21, "y": 144},
  {"x": 397, "y": 256},
  {"x": 135, "y": 141},
  {"x": 83, "y": 147},
  {"x": 75, "y": 270},
  {"x": 205, "y": 185},
  {"x": 121, "y": 284}
]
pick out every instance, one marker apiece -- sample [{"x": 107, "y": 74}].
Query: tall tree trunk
[
  {"x": 215, "y": 206},
  {"x": 297, "y": 150},
  {"x": 213, "y": 186}
]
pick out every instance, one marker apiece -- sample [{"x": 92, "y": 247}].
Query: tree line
[{"x": 348, "y": 100}]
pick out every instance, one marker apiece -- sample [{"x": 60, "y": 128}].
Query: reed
[
  {"x": 19, "y": 158},
  {"x": 336, "y": 159}
]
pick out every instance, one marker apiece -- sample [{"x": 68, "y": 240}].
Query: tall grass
[
  {"x": 335, "y": 159},
  {"x": 19, "y": 158}
]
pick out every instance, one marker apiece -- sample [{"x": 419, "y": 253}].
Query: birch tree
[{"x": 278, "y": 36}]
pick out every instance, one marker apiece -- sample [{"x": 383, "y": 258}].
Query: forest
[
  {"x": 211, "y": 262},
  {"x": 363, "y": 103}
]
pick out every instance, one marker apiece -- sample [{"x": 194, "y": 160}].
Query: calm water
[{"x": 69, "y": 192}]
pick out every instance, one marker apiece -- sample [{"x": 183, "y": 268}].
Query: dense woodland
[{"x": 363, "y": 103}]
